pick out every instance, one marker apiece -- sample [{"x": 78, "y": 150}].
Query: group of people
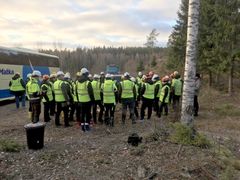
[{"x": 80, "y": 98}]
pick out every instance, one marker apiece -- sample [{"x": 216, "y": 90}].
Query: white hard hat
[
  {"x": 140, "y": 73},
  {"x": 126, "y": 74},
  {"x": 84, "y": 70},
  {"x": 29, "y": 75},
  {"x": 96, "y": 76},
  {"x": 155, "y": 77},
  {"x": 108, "y": 76},
  {"x": 67, "y": 75},
  {"x": 52, "y": 75},
  {"x": 133, "y": 79},
  {"x": 36, "y": 73},
  {"x": 60, "y": 73},
  {"x": 90, "y": 75},
  {"x": 102, "y": 73}
]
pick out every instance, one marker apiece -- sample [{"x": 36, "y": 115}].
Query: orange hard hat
[{"x": 45, "y": 77}]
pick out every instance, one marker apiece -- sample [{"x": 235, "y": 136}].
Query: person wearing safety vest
[
  {"x": 69, "y": 83},
  {"x": 52, "y": 79},
  {"x": 158, "y": 86},
  {"x": 109, "y": 94},
  {"x": 176, "y": 89},
  {"x": 136, "y": 99},
  {"x": 85, "y": 97},
  {"x": 47, "y": 95},
  {"x": 17, "y": 88},
  {"x": 62, "y": 99},
  {"x": 34, "y": 95},
  {"x": 127, "y": 96},
  {"x": 164, "y": 96},
  {"x": 97, "y": 99},
  {"x": 147, "y": 94},
  {"x": 76, "y": 100}
]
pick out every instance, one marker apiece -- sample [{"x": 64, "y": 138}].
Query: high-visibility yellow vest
[
  {"x": 139, "y": 80},
  {"x": 16, "y": 85},
  {"x": 49, "y": 92},
  {"x": 82, "y": 91},
  {"x": 177, "y": 85},
  {"x": 96, "y": 90},
  {"x": 33, "y": 88},
  {"x": 75, "y": 97},
  {"x": 137, "y": 88},
  {"x": 109, "y": 88},
  {"x": 160, "y": 87},
  {"x": 163, "y": 94},
  {"x": 149, "y": 91},
  {"x": 127, "y": 89},
  {"x": 57, "y": 86}
]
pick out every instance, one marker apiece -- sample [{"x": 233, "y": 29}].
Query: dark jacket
[{"x": 44, "y": 89}]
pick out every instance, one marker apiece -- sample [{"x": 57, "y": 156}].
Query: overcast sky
[{"x": 40, "y": 24}]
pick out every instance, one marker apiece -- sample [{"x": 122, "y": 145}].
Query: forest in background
[
  {"x": 218, "y": 41},
  {"x": 131, "y": 59}
]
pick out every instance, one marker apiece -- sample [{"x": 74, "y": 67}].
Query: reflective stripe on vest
[
  {"x": 108, "y": 91},
  {"x": 163, "y": 94},
  {"x": 149, "y": 91},
  {"x": 96, "y": 90},
  {"x": 59, "y": 97},
  {"x": 49, "y": 92},
  {"x": 82, "y": 91},
  {"x": 16, "y": 85},
  {"x": 127, "y": 89}
]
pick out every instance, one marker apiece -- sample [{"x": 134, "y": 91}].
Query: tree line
[
  {"x": 218, "y": 41},
  {"x": 131, "y": 59}
]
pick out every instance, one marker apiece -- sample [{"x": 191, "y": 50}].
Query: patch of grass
[
  {"x": 138, "y": 151},
  {"x": 227, "y": 174},
  {"x": 10, "y": 146},
  {"x": 227, "y": 110},
  {"x": 185, "y": 135},
  {"x": 157, "y": 135},
  {"x": 51, "y": 156}
]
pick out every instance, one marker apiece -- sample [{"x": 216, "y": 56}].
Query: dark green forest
[{"x": 218, "y": 45}]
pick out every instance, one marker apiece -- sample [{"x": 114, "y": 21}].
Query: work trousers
[
  {"x": 85, "y": 113},
  {"x": 163, "y": 106},
  {"x": 109, "y": 113},
  {"x": 61, "y": 106},
  {"x": 36, "y": 110},
  {"x": 146, "y": 103},
  {"x": 47, "y": 106},
  {"x": 196, "y": 105},
  {"x": 99, "y": 104},
  {"x": 52, "y": 107},
  {"x": 176, "y": 102},
  {"x": 23, "y": 99},
  {"x": 128, "y": 104}
]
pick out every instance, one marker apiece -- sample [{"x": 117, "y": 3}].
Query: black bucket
[{"x": 35, "y": 135}]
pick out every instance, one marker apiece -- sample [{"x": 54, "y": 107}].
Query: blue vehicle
[{"x": 23, "y": 61}]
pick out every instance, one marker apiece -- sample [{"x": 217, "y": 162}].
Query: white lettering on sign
[{"x": 6, "y": 71}]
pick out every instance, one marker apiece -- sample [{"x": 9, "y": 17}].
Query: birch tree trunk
[{"x": 190, "y": 63}]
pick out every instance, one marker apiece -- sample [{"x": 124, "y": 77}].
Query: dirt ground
[{"x": 103, "y": 153}]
